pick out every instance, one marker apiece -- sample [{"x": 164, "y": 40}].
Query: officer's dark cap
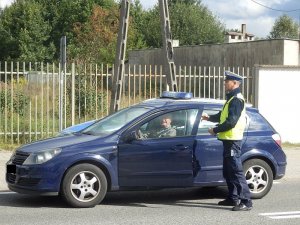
[{"x": 233, "y": 76}]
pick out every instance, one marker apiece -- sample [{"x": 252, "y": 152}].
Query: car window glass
[
  {"x": 115, "y": 121},
  {"x": 257, "y": 122},
  {"x": 173, "y": 124},
  {"x": 204, "y": 124}
]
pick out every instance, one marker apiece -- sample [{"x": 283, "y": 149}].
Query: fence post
[
  {"x": 62, "y": 73},
  {"x": 73, "y": 95},
  {"x": 5, "y": 101},
  {"x": 255, "y": 85},
  {"x": 12, "y": 102}
]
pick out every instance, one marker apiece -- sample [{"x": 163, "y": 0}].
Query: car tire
[
  {"x": 259, "y": 177},
  {"x": 84, "y": 185}
]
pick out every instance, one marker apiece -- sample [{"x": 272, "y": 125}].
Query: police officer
[{"x": 232, "y": 122}]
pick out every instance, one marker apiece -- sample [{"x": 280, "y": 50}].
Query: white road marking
[
  {"x": 7, "y": 192},
  {"x": 282, "y": 215},
  {"x": 276, "y": 182},
  {"x": 285, "y": 217}
]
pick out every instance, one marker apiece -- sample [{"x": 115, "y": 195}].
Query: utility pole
[
  {"x": 168, "y": 51},
  {"x": 119, "y": 67}
]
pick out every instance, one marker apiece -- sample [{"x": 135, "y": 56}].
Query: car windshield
[{"x": 114, "y": 122}]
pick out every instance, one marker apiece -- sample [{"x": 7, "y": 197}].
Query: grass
[
  {"x": 290, "y": 145},
  {"x": 8, "y": 147}
]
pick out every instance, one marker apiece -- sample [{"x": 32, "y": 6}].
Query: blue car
[{"x": 131, "y": 149}]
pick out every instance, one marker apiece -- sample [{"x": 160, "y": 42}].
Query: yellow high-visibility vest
[{"x": 236, "y": 133}]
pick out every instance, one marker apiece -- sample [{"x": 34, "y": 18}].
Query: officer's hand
[
  {"x": 211, "y": 131},
  {"x": 205, "y": 116}
]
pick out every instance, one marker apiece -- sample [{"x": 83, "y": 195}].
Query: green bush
[
  {"x": 18, "y": 102},
  {"x": 87, "y": 101}
]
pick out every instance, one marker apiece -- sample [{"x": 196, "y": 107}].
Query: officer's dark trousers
[{"x": 233, "y": 172}]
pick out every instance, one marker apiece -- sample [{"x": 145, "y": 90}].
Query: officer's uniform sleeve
[
  {"x": 215, "y": 118},
  {"x": 235, "y": 109}
]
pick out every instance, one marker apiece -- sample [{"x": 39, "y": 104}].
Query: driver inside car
[{"x": 165, "y": 129}]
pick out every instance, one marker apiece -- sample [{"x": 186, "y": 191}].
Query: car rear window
[{"x": 257, "y": 122}]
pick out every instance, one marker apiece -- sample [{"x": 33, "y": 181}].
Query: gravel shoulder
[{"x": 4, "y": 157}]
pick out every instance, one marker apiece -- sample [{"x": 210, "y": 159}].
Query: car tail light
[{"x": 277, "y": 139}]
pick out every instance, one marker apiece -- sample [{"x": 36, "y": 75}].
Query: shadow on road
[
  {"x": 190, "y": 197},
  {"x": 19, "y": 200}
]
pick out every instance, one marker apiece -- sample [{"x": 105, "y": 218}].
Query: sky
[
  {"x": 258, "y": 19},
  {"x": 4, "y": 3}
]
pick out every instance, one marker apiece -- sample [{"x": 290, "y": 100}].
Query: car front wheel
[
  {"x": 84, "y": 185},
  {"x": 259, "y": 177}
]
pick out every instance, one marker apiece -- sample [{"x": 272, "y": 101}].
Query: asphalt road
[{"x": 180, "y": 206}]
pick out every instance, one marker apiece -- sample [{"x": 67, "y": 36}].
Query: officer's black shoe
[
  {"x": 229, "y": 202},
  {"x": 241, "y": 207}
]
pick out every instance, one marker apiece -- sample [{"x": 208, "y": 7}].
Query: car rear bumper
[{"x": 280, "y": 171}]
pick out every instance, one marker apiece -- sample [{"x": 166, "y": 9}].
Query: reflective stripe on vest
[{"x": 237, "y": 132}]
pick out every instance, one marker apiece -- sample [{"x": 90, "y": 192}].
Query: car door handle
[{"x": 179, "y": 148}]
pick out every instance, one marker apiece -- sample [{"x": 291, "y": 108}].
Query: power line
[{"x": 279, "y": 10}]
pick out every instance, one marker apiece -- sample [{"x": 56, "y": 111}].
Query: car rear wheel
[
  {"x": 259, "y": 177},
  {"x": 84, "y": 185}
]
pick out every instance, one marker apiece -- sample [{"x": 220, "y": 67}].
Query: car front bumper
[{"x": 34, "y": 179}]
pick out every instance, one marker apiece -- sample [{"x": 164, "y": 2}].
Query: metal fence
[{"x": 29, "y": 93}]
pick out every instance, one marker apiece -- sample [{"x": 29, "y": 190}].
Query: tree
[
  {"x": 186, "y": 2},
  {"x": 234, "y": 30},
  {"x": 95, "y": 40},
  {"x": 191, "y": 23},
  {"x": 24, "y": 32},
  {"x": 284, "y": 27},
  {"x": 64, "y": 14},
  {"x": 136, "y": 37},
  {"x": 194, "y": 24},
  {"x": 31, "y": 29}
]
